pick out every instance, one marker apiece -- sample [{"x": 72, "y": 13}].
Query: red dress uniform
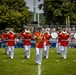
[
  {"x": 64, "y": 39},
  {"x": 5, "y": 41},
  {"x": 11, "y": 42},
  {"x": 27, "y": 38},
  {"x": 3, "y": 36},
  {"x": 39, "y": 39},
  {"x": 11, "y": 39},
  {"x": 21, "y": 34},
  {"x": 46, "y": 38}
]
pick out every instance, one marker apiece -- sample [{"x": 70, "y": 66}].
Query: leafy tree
[
  {"x": 13, "y": 13},
  {"x": 56, "y": 11}
]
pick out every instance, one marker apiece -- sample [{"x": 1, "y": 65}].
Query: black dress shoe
[
  {"x": 36, "y": 63},
  {"x": 44, "y": 56},
  {"x": 5, "y": 53},
  {"x": 58, "y": 53},
  {"x": 62, "y": 57},
  {"x": 9, "y": 57},
  {"x": 25, "y": 57}
]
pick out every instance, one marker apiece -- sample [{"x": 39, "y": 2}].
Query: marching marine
[
  {"x": 26, "y": 37},
  {"x": 46, "y": 39},
  {"x": 38, "y": 36},
  {"x": 11, "y": 42},
  {"x": 64, "y": 36},
  {"x": 5, "y": 41}
]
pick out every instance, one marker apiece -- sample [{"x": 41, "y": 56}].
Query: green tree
[
  {"x": 13, "y": 13},
  {"x": 56, "y": 11}
]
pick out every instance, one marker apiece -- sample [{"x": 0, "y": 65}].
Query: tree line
[
  {"x": 13, "y": 13},
  {"x": 56, "y": 11}
]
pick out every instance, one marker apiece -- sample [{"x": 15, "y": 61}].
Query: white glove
[{"x": 44, "y": 43}]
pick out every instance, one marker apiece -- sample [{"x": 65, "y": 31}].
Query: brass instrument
[{"x": 39, "y": 39}]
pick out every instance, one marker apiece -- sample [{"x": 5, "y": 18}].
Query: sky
[{"x": 29, "y": 3}]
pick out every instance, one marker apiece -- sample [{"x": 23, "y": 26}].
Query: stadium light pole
[
  {"x": 34, "y": 9},
  {"x": 66, "y": 22},
  {"x": 69, "y": 22},
  {"x": 38, "y": 13}
]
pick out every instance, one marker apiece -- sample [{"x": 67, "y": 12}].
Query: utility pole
[
  {"x": 68, "y": 22},
  {"x": 38, "y": 13},
  {"x": 34, "y": 9}
]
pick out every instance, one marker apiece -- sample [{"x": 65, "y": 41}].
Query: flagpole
[
  {"x": 69, "y": 22},
  {"x": 34, "y": 9},
  {"x": 38, "y": 13},
  {"x": 66, "y": 22}
]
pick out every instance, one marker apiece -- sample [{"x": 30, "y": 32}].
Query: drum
[
  {"x": 75, "y": 35},
  {"x": 54, "y": 35}
]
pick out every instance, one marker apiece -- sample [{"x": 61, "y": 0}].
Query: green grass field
[{"x": 54, "y": 65}]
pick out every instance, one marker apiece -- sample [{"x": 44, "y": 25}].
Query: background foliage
[
  {"x": 13, "y": 13},
  {"x": 56, "y": 11}
]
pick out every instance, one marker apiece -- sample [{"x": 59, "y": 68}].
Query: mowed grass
[{"x": 54, "y": 65}]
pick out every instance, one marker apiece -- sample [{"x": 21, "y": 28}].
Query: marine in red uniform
[
  {"x": 11, "y": 42},
  {"x": 5, "y": 41},
  {"x": 46, "y": 38},
  {"x": 26, "y": 36},
  {"x": 64, "y": 43},
  {"x": 38, "y": 36}
]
